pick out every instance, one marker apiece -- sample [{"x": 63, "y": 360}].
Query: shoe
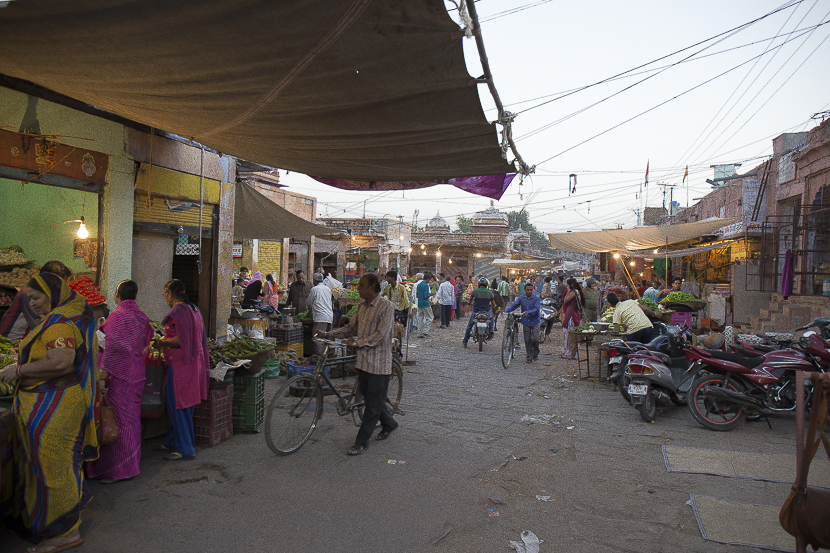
[
  {"x": 536, "y": 358},
  {"x": 420, "y": 335},
  {"x": 356, "y": 450},
  {"x": 528, "y": 361},
  {"x": 464, "y": 344}
]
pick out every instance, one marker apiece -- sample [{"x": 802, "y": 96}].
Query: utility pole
[{"x": 671, "y": 192}]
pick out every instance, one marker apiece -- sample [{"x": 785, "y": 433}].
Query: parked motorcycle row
[{"x": 720, "y": 387}]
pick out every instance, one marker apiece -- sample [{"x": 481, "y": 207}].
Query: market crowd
[{"x": 77, "y": 412}]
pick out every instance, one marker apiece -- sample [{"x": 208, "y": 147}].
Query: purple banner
[{"x": 489, "y": 186}]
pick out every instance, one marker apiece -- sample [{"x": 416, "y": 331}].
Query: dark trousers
[
  {"x": 373, "y": 387},
  {"x": 531, "y": 334},
  {"x": 644, "y": 336},
  {"x": 446, "y": 314}
]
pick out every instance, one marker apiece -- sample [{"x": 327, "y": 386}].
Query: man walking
[
  {"x": 425, "y": 315},
  {"x": 398, "y": 295},
  {"x": 561, "y": 289},
  {"x": 504, "y": 290},
  {"x": 530, "y": 304},
  {"x": 481, "y": 301},
  {"x": 370, "y": 331},
  {"x": 320, "y": 300},
  {"x": 446, "y": 297}
]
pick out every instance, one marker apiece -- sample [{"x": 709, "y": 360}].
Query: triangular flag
[
  {"x": 647, "y": 162},
  {"x": 685, "y": 174}
]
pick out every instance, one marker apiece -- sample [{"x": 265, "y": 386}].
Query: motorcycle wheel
[
  {"x": 648, "y": 408},
  {"x": 715, "y": 414},
  {"x": 622, "y": 380}
]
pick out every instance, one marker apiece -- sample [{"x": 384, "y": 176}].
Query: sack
[
  {"x": 109, "y": 424},
  {"x": 806, "y": 511}
]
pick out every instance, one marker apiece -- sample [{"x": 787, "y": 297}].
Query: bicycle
[
  {"x": 297, "y": 406},
  {"x": 508, "y": 342}
]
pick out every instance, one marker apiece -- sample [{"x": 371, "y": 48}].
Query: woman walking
[
  {"x": 186, "y": 354},
  {"x": 54, "y": 428},
  {"x": 572, "y": 305},
  {"x": 128, "y": 333},
  {"x": 269, "y": 292}
]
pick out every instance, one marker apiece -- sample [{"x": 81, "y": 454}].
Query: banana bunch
[{"x": 7, "y": 388}]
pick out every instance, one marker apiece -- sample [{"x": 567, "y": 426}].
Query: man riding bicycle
[{"x": 482, "y": 302}]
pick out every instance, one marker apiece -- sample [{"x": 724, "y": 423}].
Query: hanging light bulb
[
  {"x": 478, "y": 255},
  {"x": 82, "y": 231},
  {"x": 423, "y": 246},
  {"x": 401, "y": 236},
  {"x": 437, "y": 254},
  {"x": 655, "y": 252},
  {"x": 450, "y": 261},
  {"x": 631, "y": 263},
  {"x": 410, "y": 250}
]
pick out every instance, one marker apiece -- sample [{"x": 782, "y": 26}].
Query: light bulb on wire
[{"x": 82, "y": 231}]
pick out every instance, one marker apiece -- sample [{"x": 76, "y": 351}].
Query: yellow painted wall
[{"x": 269, "y": 259}]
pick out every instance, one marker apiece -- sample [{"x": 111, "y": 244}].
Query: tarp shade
[
  {"x": 635, "y": 238},
  {"x": 489, "y": 186},
  {"x": 255, "y": 216},
  {"x": 677, "y": 254},
  {"x": 521, "y": 263},
  {"x": 366, "y": 90}
]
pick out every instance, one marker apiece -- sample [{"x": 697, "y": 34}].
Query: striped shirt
[
  {"x": 398, "y": 295},
  {"x": 373, "y": 327}
]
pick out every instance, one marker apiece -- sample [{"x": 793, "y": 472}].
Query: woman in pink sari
[
  {"x": 188, "y": 370},
  {"x": 128, "y": 333}
]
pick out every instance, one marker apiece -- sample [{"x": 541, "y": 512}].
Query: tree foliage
[
  {"x": 465, "y": 224},
  {"x": 521, "y": 219}
]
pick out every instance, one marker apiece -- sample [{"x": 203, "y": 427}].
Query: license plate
[
  {"x": 637, "y": 389},
  {"x": 482, "y": 325},
  {"x": 615, "y": 359}
]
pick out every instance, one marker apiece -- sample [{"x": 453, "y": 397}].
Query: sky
[{"x": 674, "y": 84}]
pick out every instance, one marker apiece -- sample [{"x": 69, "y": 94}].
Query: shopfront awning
[
  {"x": 521, "y": 264},
  {"x": 639, "y": 238},
  {"x": 256, "y": 216},
  {"x": 372, "y": 91}
]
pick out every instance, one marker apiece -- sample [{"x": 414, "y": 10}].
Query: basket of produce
[
  {"x": 257, "y": 351},
  {"x": 85, "y": 287},
  {"x": 607, "y": 315},
  {"x": 601, "y": 327},
  {"x": 585, "y": 328},
  {"x": 682, "y": 299},
  {"x": 18, "y": 277}
]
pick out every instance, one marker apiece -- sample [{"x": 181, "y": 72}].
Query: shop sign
[
  {"x": 44, "y": 154},
  {"x": 236, "y": 250}
]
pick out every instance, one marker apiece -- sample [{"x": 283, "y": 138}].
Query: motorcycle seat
[
  {"x": 748, "y": 362},
  {"x": 649, "y": 345}
]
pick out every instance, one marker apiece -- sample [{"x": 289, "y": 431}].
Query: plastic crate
[
  {"x": 293, "y": 369},
  {"x": 287, "y": 336},
  {"x": 212, "y": 422},
  {"x": 248, "y": 416},
  {"x": 249, "y": 386},
  {"x": 678, "y": 318},
  {"x": 297, "y": 348}
]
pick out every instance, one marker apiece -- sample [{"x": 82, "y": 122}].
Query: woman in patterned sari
[
  {"x": 188, "y": 370},
  {"x": 128, "y": 333},
  {"x": 54, "y": 430}
]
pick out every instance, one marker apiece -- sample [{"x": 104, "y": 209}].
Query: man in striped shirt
[{"x": 370, "y": 331}]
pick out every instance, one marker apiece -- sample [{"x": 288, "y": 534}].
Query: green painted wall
[{"x": 25, "y": 214}]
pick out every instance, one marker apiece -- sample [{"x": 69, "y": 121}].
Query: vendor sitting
[{"x": 633, "y": 317}]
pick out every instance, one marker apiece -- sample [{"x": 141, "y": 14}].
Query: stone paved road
[{"x": 475, "y": 437}]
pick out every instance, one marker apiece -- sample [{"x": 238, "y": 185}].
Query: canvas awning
[
  {"x": 521, "y": 263},
  {"x": 639, "y": 238},
  {"x": 255, "y": 216},
  {"x": 364, "y": 90}
]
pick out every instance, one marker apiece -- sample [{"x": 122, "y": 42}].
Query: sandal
[
  {"x": 176, "y": 456},
  {"x": 384, "y": 434},
  {"x": 356, "y": 450},
  {"x": 161, "y": 447},
  {"x": 54, "y": 546}
]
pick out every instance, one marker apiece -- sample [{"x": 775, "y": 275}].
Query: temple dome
[{"x": 437, "y": 224}]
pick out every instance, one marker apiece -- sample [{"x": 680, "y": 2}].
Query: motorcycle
[
  {"x": 549, "y": 314},
  {"x": 618, "y": 351},
  {"x": 661, "y": 377},
  {"x": 481, "y": 325},
  {"x": 727, "y": 387}
]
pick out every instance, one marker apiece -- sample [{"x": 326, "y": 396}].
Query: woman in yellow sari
[{"x": 54, "y": 429}]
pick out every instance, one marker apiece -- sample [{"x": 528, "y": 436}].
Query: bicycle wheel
[
  {"x": 507, "y": 344},
  {"x": 293, "y": 413},
  {"x": 393, "y": 392}
]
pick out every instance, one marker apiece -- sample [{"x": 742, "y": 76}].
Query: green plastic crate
[
  {"x": 248, "y": 416},
  {"x": 248, "y": 386}
]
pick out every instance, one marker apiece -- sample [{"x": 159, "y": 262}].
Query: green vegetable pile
[
  {"x": 353, "y": 294},
  {"x": 242, "y": 347},
  {"x": 304, "y": 315},
  {"x": 6, "y": 345},
  {"x": 156, "y": 325},
  {"x": 584, "y": 327},
  {"x": 607, "y": 315},
  {"x": 678, "y": 296},
  {"x": 648, "y": 302}
]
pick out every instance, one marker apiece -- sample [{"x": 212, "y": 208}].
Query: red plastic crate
[{"x": 212, "y": 420}]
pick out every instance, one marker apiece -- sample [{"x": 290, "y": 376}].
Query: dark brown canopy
[{"x": 371, "y": 90}]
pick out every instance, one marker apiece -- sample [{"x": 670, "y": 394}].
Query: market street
[{"x": 466, "y": 451}]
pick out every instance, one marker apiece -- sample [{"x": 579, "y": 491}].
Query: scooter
[
  {"x": 481, "y": 327},
  {"x": 549, "y": 314},
  {"x": 618, "y": 351},
  {"x": 657, "y": 377},
  {"x": 728, "y": 387}
]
